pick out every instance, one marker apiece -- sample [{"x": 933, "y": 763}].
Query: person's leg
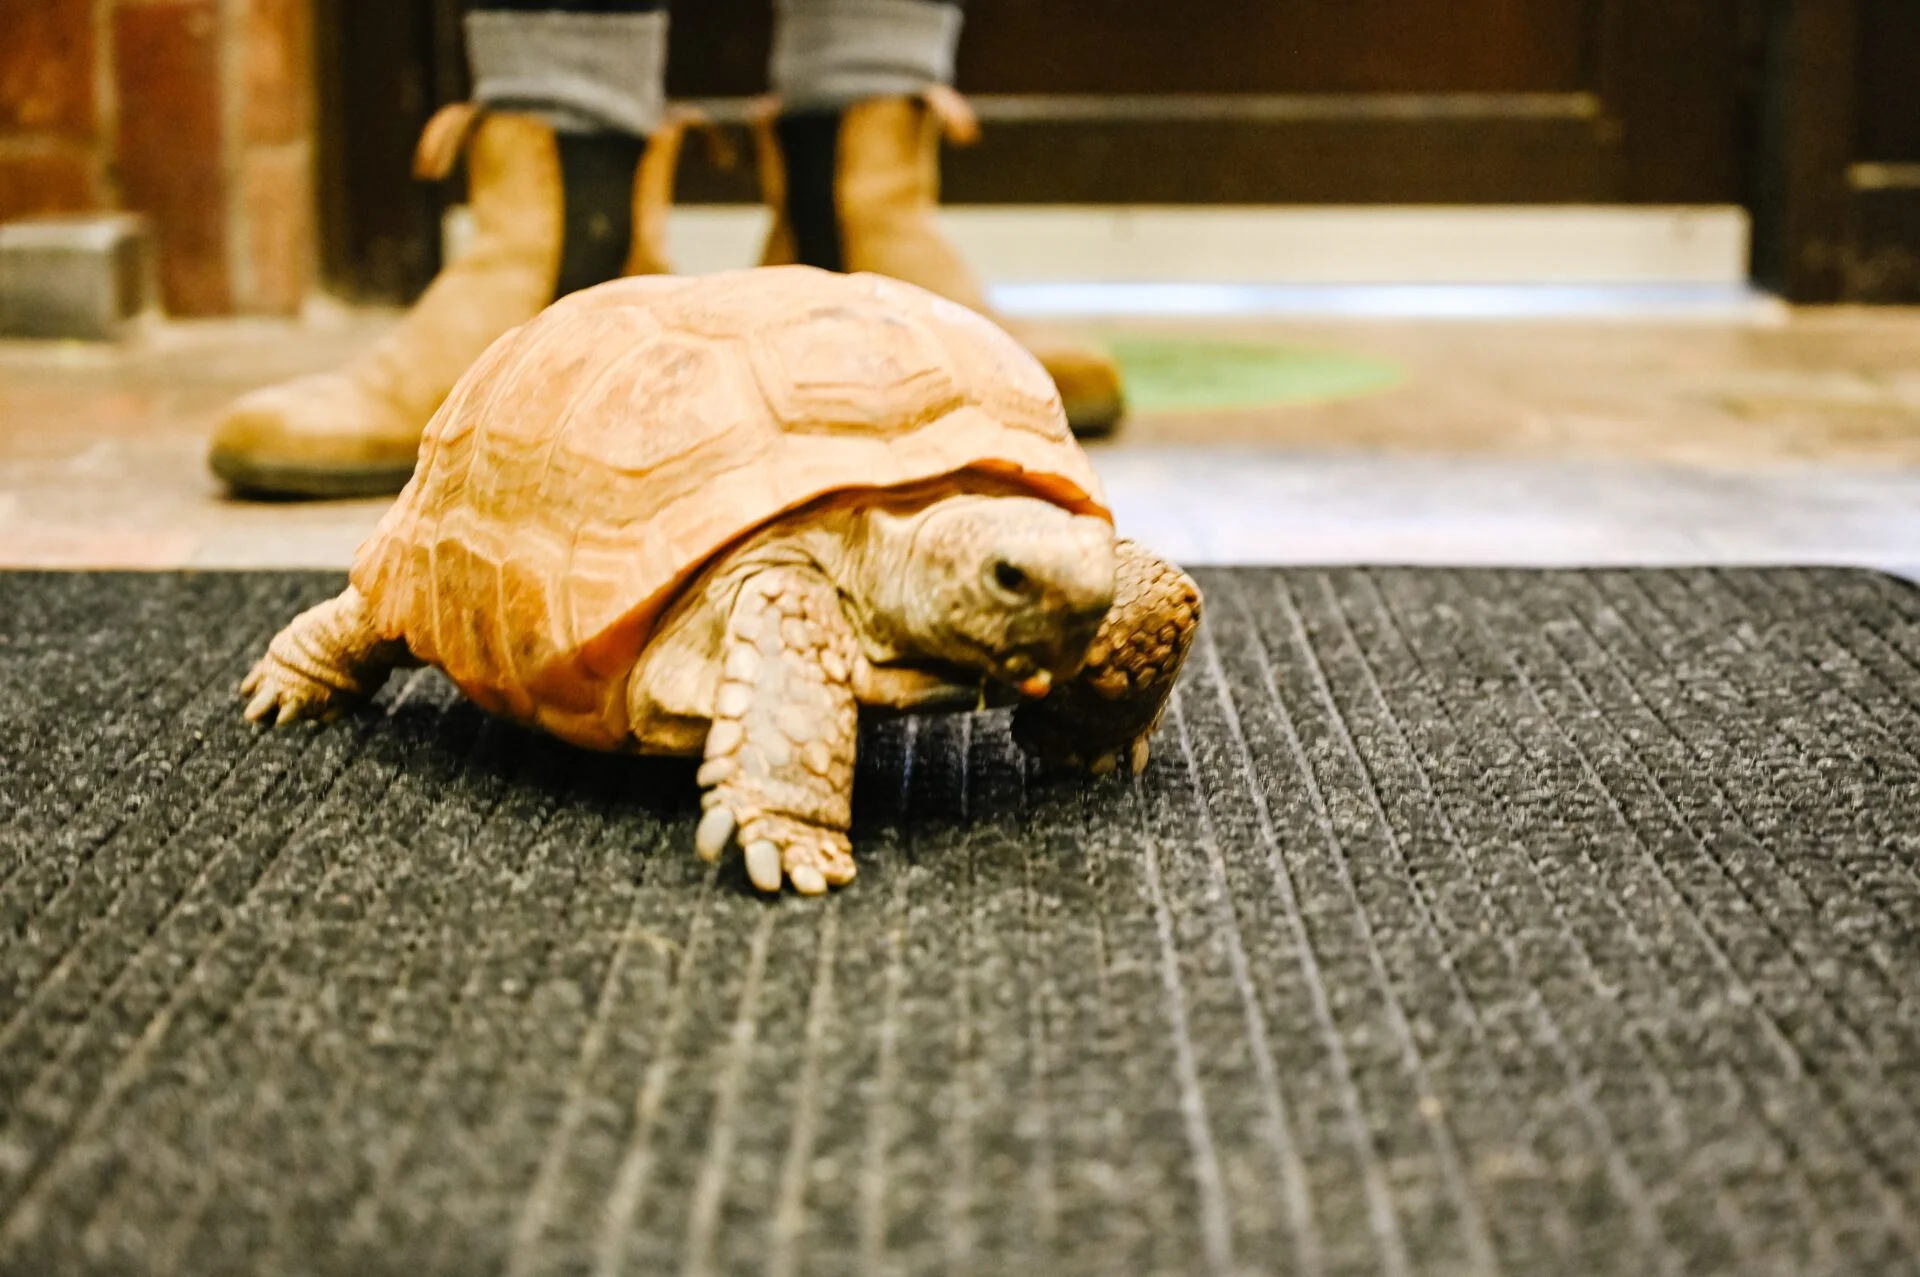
[
  {"x": 584, "y": 66},
  {"x": 829, "y": 55},
  {"x": 594, "y": 71},
  {"x": 566, "y": 96},
  {"x": 850, "y": 167}
]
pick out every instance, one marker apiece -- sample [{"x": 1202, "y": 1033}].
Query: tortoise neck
[{"x": 880, "y": 574}]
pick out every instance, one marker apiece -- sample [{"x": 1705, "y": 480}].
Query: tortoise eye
[{"x": 1009, "y": 578}]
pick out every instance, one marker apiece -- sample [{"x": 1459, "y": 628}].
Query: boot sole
[{"x": 250, "y": 477}]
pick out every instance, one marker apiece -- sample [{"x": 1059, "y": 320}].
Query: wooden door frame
[
  {"x": 380, "y": 71},
  {"x": 1834, "y": 219}
]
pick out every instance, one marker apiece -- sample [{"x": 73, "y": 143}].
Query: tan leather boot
[
  {"x": 879, "y": 216},
  {"x": 355, "y": 431}
]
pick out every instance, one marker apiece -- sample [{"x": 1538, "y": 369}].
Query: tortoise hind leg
[
  {"x": 1102, "y": 718},
  {"x": 328, "y": 658}
]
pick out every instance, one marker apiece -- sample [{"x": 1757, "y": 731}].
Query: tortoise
[{"x": 716, "y": 516}]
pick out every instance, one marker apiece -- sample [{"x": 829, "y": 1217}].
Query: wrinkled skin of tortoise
[{"x": 990, "y": 575}]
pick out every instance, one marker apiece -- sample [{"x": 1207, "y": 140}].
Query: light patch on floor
[
  {"x": 1233, "y": 505},
  {"x": 1172, "y": 374}
]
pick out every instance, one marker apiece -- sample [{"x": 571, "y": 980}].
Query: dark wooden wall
[{"x": 1283, "y": 101}]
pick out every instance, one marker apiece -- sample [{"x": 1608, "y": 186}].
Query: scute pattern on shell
[{"x": 597, "y": 457}]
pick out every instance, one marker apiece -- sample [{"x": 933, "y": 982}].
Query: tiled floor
[{"x": 1550, "y": 442}]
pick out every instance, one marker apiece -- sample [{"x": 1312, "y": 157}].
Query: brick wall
[{"x": 197, "y": 113}]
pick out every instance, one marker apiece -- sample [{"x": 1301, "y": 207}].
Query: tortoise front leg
[
  {"x": 327, "y": 658},
  {"x": 779, "y": 756},
  {"x": 1101, "y": 719}
]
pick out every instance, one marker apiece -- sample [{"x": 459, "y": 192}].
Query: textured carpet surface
[{"x": 1547, "y": 923}]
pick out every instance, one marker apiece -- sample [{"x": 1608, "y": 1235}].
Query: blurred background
[{"x": 1556, "y": 281}]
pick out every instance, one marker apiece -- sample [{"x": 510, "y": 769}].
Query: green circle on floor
[{"x": 1178, "y": 374}]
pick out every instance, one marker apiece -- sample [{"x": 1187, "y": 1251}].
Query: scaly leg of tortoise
[
  {"x": 780, "y": 752},
  {"x": 1102, "y": 718},
  {"x": 328, "y": 658}
]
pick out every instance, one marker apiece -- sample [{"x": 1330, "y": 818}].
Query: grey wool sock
[
  {"x": 829, "y": 54},
  {"x": 581, "y": 72}
]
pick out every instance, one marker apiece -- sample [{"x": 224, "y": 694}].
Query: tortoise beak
[{"x": 1037, "y": 686}]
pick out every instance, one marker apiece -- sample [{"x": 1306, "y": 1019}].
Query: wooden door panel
[
  {"x": 1142, "y": 101},
  {"x": 1312, "y": 101},
  {"x": 1276, "y": 46},
  {"x": 1237, "y": 46}
]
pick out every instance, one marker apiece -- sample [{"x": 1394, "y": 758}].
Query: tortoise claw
[
  {"x": 261, "y": 704},
  {"x": 763, "y": 865},
  {"x": 280, "y": 694},
  {"x": 715, "y": 832},
  {"x": 777, "y": 849}
]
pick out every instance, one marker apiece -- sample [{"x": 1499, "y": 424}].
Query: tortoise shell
[{"x": 595, "y": 459}]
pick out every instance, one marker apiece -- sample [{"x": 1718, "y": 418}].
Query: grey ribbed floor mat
[{"x": 1549, "y": 923}]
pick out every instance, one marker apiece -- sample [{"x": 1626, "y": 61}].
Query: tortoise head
[{"x": 1011, "y": 586}]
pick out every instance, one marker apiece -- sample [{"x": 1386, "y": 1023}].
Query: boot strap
[
  {"x": 452, "y": 125},
  {"x": 653, "y": 184},
  {"x": 682, "y": 119},
  {"x": 444, "y": 138},
  {"x": 958, "y": 123}
]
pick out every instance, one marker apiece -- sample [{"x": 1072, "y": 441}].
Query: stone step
[{"x": 86, "y": 278}]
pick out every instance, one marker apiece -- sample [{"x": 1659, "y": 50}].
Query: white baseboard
[
  {"x": 1241, "y": 245},
  {"x": 1018, "y": 248}
]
